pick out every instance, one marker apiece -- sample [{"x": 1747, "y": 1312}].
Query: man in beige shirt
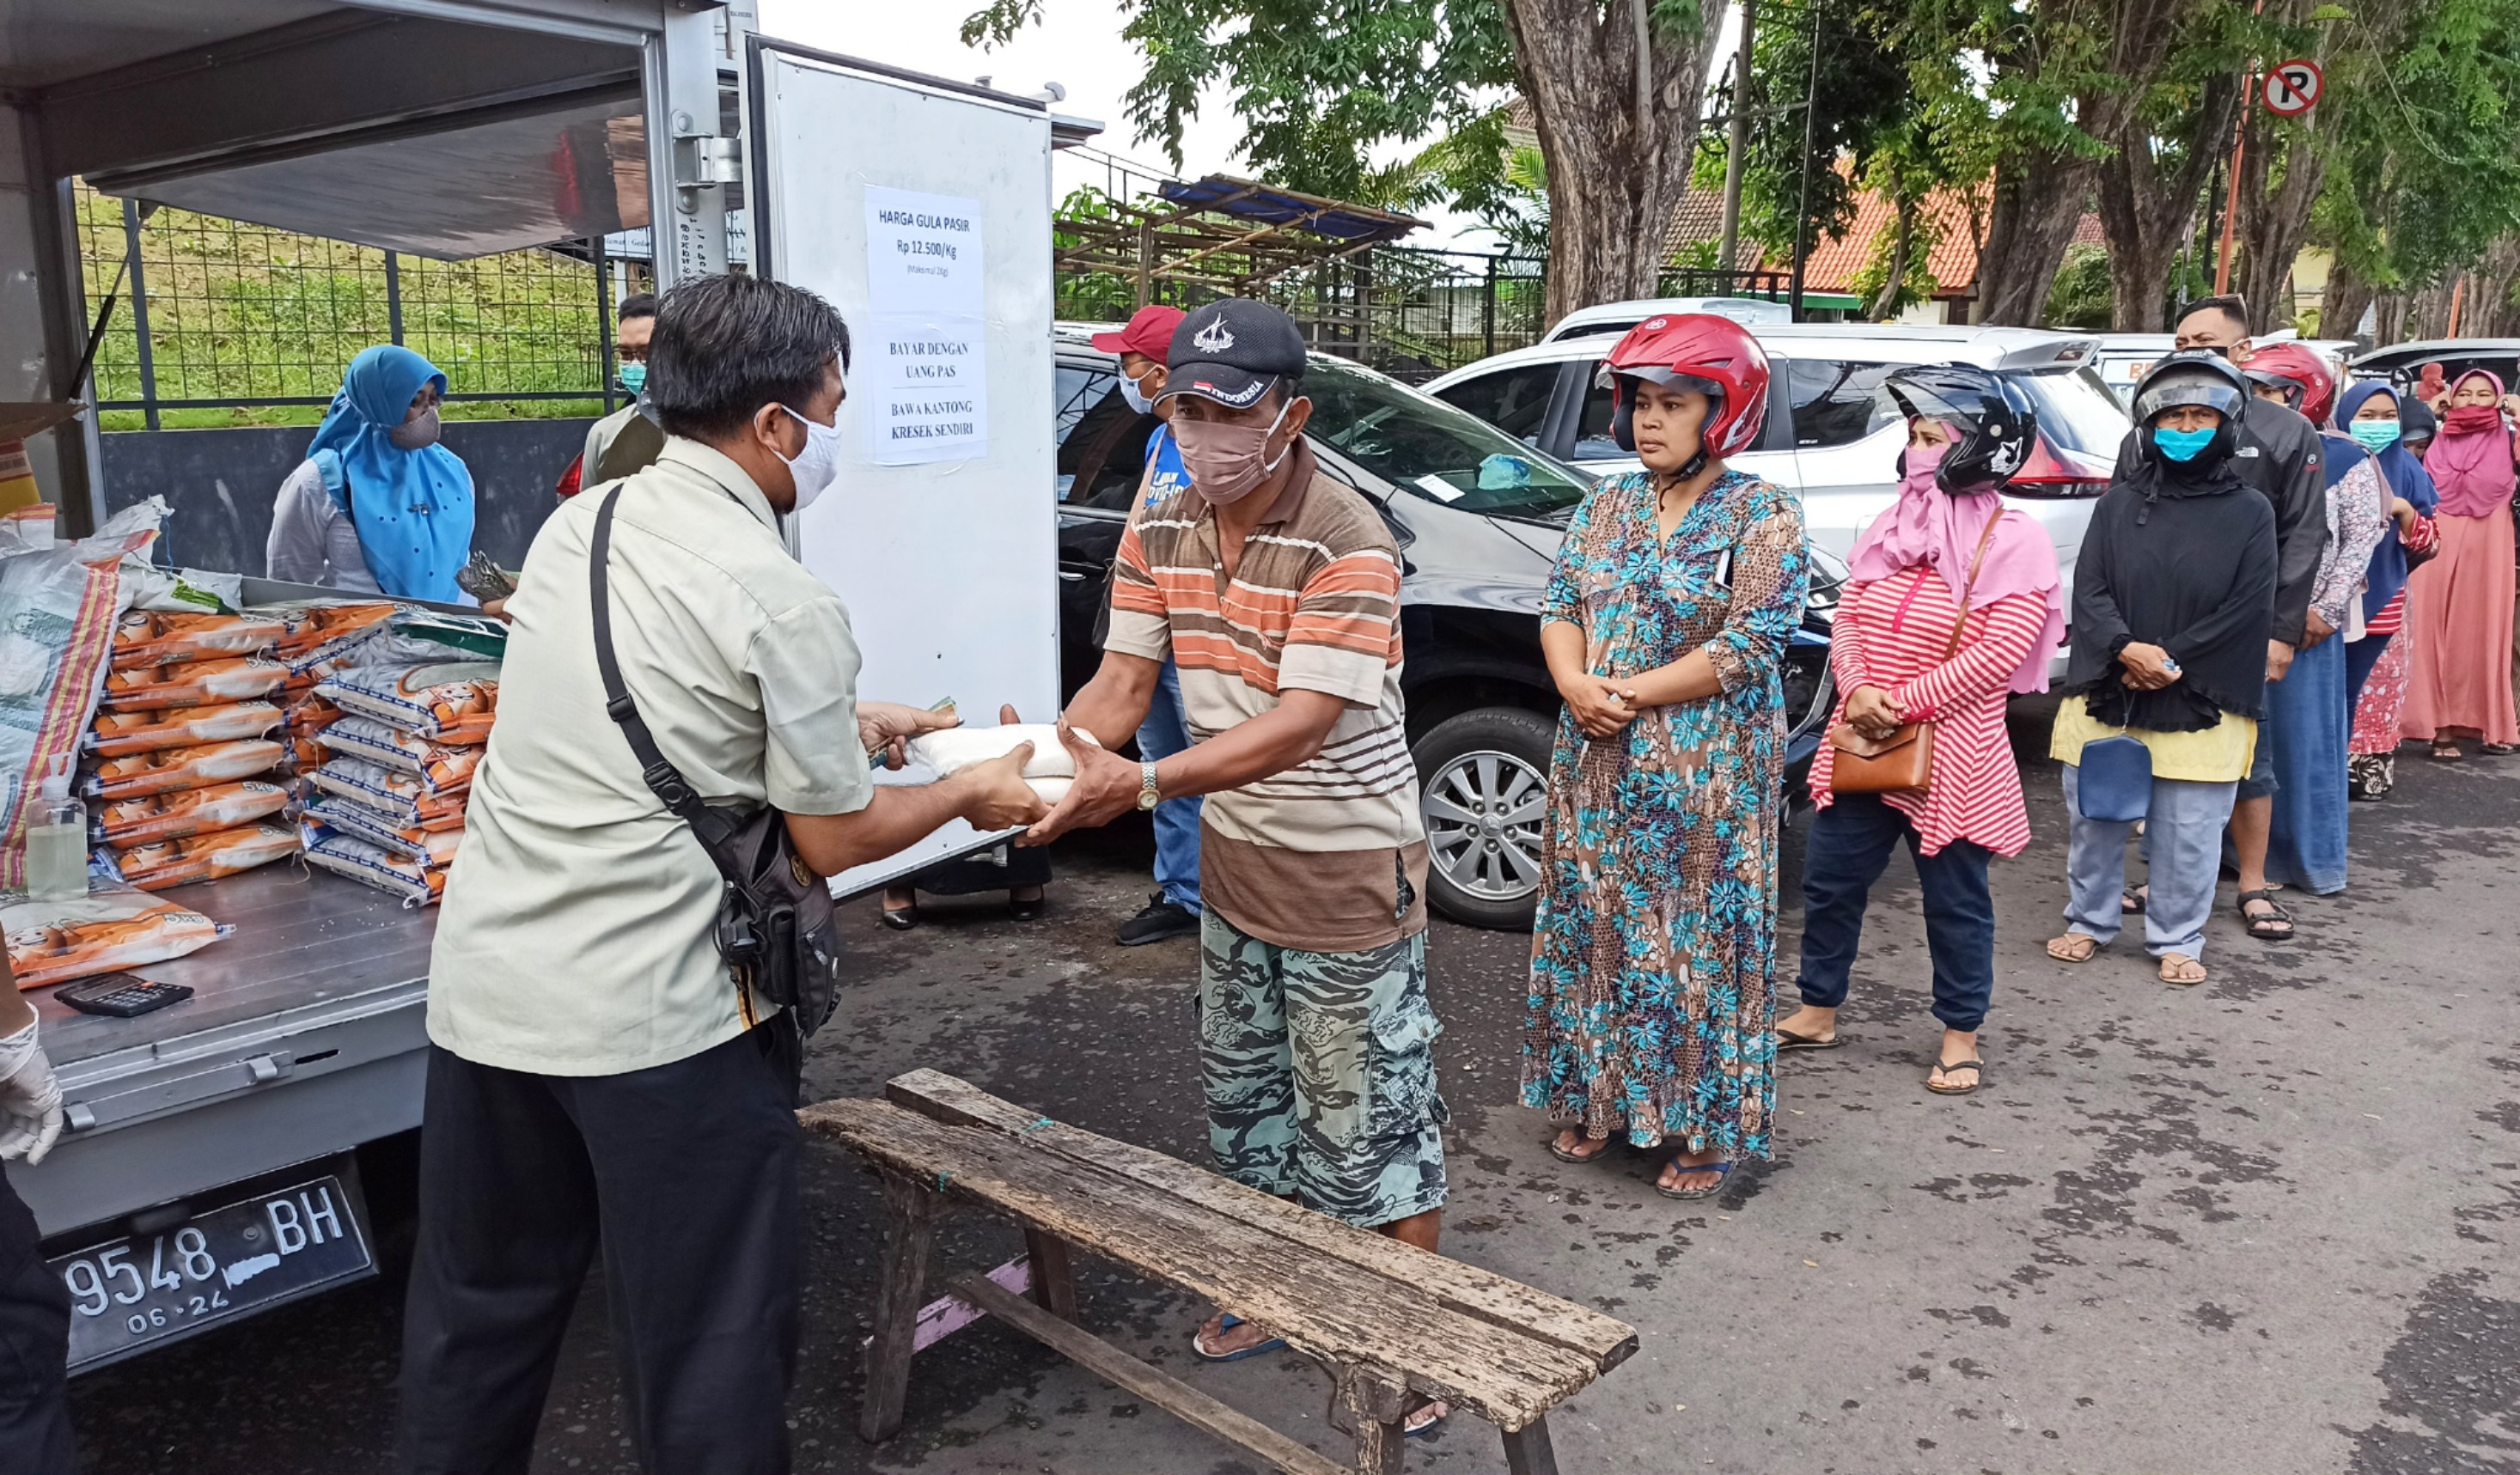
[{"x": 595, "y": 1068}]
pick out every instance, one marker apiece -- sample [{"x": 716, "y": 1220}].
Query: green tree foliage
[{"x": 2081, "y": 295}]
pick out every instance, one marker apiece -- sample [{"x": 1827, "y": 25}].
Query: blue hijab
[
  {"x": 413, "y": 508},
  {"x": 2406, "y": 477}
]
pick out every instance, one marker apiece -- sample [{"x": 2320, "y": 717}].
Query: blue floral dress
[{"x": 1653, "y": 999}]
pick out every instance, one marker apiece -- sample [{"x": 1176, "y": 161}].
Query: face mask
[
  {"x": 2468, "y": 420},
  {"x": 1225, "y": 462},
  {"x": 817, "y": 463},
  {"x": 412, "y": 434},
  {"x": 2373, "y": 435},
  {"x": 1136, "y": 397},
  {"x": 2182, "y": 445},
  {"x": 1921, "y": 463},
  {"x": 633, "y": 376}
]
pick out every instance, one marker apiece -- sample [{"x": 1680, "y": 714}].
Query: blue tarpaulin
[{"x": 1267, "y": 205}]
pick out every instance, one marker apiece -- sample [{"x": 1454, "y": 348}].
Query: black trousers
[
  {"x": 35, "y": 1349},
  {"x": 687, "y": 1173}
]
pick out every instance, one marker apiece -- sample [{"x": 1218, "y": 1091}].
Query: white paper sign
[{"x": 923, "y": 376}]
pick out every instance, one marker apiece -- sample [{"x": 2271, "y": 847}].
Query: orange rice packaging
[
  {"x": 126, "y": 822},
  {"x": 111, "y": 928},
  {"x": 118, "y": 734},
  {"x": 157, "y": 638},
  {"x": 198, "y": 858},
  {"x": 452, "y": 702},
  {"x": 191, "y": 684},
  {"x": 447, "y": 769},
  {"x": 171, "y": 769}
]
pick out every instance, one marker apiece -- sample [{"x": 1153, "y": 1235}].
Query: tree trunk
[
  {"x": 1896, "y": 274},
  {"x": 2491, "y": 307},
  {"x": 2390, "y": 311},
  {"x": 2147, "y": 203},
  {"x": 2342, "y": 305},
  {"x": 2038, "y": 204},
  {"x": 1612, "y": 187}
]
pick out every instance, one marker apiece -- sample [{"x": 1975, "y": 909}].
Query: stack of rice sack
[
  {"x": 387, "y": 808},
  {"x": 183, "y": 750}
]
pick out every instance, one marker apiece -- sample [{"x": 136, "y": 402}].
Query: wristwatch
[{"x": 1148, "y": 797}]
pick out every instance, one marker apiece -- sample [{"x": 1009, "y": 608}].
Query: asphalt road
[{"x": 2265, "y": 1224}]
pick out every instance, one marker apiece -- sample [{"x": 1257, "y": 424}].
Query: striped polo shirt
[{"x": 1327, "y": 857}]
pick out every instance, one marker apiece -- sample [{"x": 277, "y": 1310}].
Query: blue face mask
[
  {"x": 2182, "y": 445},
  {"x": 633, "y": 376},
  {"x": 2374, "y": 436}
]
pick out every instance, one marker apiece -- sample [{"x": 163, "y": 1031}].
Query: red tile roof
[{"x": 1835, "y": 263}]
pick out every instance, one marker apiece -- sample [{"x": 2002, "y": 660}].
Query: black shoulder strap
[{"x": 664, "y": 780}]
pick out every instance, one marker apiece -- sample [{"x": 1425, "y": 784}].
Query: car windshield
[{"x": 1427, "y": 448}]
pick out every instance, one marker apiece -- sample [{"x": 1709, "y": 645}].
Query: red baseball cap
[{"x": 1149, "y": 331}]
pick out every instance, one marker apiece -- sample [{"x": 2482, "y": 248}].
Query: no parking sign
[{"x": 2293, "y": 87}]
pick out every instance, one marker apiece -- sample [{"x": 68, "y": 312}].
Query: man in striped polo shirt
[{"x": 1276, "y": 590}]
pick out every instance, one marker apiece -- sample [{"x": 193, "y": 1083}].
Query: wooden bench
[{"x": 1390, "y": 1322}]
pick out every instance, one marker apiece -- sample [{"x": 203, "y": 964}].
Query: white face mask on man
[{"x": 817, "y": 463}]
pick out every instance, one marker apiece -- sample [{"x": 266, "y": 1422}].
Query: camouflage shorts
[{"x": 1320, "y": 1073}]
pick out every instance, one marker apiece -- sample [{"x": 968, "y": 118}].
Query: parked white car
[
  {"x": 1832, "y": 434},
  {"x": 1611, "y": 318}
]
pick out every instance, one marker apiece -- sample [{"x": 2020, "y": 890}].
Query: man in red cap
[{"x": 1172, "y": 911}]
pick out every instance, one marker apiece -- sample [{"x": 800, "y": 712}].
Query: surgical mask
[
  {"x": 2182, "y": 445},
  {"x": 1136, "y": 397},
  {"x": 633, "y": 376},
  {"x": 413, "y": 434},
  {"x": 2373, "y": 435},
  {"x": 1225, "y": 461},
  {"x": 815, "y": 465}
]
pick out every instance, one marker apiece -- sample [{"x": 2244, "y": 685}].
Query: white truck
[{"x": 253, "y": 1144}]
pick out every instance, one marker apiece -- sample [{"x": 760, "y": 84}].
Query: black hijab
[{"x": 2175, "y": 557}]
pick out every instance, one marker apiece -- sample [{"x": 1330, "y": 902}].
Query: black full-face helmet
[
  {"x": 1994, "y": 424},
  {"x": 2194, "y": 377}
]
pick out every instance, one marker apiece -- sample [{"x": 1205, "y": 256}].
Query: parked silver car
[{"x": 1832, "y": 434}]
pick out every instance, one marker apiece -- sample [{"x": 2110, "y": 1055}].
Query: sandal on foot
[
  {"x": 2131, "y": 903},
  {"x": 1227, "y": 1323},
  {"x": 1569, "y": 1156},
  {"x": 2275, "y": 927},
  {"x": 2447, "y": 752},
  {"x": 1787, "y": 1040},
  {"x": 901, "y": 919},
  {"x": 1974, "y": 1065},
  {"x": 1722, "y": 1174},
  {"x": 2091, "y": 947},
  {"x": 2182, "y": 962},
  {"x": 1425, "y": 1419},
  {"x": 2497, "y": 749}
]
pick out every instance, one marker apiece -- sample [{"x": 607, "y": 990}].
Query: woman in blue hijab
[
  {"x": 377, "y": 506},
  {"x": 2375, "y": 666}
]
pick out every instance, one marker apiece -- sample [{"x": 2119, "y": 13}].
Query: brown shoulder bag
[{"x": 1904, "y": 761}]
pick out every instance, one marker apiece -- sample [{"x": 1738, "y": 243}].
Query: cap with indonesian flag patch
[{"x": 1231, "y": 350}]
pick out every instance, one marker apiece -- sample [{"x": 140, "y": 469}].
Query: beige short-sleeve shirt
[{"x": 577, "y": 934}]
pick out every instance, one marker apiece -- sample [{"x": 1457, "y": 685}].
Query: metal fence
[{"x": 215, "y": 314}]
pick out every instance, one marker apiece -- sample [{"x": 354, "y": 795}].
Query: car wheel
[{"x": 1483, "y": 790}]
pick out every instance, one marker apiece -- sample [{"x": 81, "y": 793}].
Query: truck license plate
[{"x": 220, "y": 1265}]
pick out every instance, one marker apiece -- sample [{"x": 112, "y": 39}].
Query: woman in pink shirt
[{"x": 1953, "y": 604}]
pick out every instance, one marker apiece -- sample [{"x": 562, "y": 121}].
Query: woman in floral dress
[{"x": 1653, "y": 962}]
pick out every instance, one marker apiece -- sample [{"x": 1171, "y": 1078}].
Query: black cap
[{"x": 1231, "y": 350}]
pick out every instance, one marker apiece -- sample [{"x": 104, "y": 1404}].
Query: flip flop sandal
[
  {"x": 2497, "y": 749},
  {"x": 2263, "y": 928},
  {"x": 1567, "y": 1155},
  {"x": 1229, "y": 1322},
  {"x": 1722, "y": 1174},
  {"x": 2447, "y": 752},
  {"x": 2131, "y": 903},
  {"x": 1977, "y": 1080},
  {"x": 2094, "y": 952},
  {"x": 1422, "y": 1423},
  {"x": 1787, "y": 1040}
]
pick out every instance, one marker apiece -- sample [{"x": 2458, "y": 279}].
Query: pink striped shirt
[{"x": 1892, "y": 634}]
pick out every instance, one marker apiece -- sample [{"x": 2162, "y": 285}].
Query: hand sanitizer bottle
[{"x": 57, "y": 840}]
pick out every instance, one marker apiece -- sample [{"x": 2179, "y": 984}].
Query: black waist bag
[{"x": 775, "y": 927}]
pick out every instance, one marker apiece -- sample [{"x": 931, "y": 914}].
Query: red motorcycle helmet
[
  {"x": 1692, "y": 350},
  {"x": 2310, "y": 384}
]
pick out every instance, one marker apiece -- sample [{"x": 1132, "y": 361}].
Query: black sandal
[
  {"x": 1723, "y": 1175},
  {"x": 1787, "y": 1040},
  {"x": 2131, "y": 903},
  {"x": 2497, "y": 749},
  {"x": 1976, "y": 1067},
  {"x": 1579, "y": 1159},
  {"x": 2263, "y": 928}
]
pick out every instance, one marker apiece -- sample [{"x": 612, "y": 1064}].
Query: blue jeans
[
  {"x": 1848, "y": 848},
  {"x": 1164, "y": 733}
]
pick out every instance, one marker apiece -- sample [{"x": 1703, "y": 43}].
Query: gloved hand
[{"x": 30, "y": 1100}]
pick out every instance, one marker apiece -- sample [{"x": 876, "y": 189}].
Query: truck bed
[{"x": 303, "y": 1038}]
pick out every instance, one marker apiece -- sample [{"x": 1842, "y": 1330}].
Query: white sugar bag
[{"x": 1050, "y": 772}]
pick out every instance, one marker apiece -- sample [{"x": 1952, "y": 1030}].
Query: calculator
[{"x": 120, "y": 995}]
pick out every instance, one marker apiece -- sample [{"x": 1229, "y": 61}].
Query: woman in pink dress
[
  {"x": 2459, "y": 605},
  {"x": 1953, "y": 604}
]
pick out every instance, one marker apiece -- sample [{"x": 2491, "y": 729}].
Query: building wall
[{"x": 222, "y": 483}]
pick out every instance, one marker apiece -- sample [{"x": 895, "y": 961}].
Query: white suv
[{"x": 1832, "y": 434}]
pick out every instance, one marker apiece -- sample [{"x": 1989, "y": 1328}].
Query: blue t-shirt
[{"x": 1170, "y": 478}]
